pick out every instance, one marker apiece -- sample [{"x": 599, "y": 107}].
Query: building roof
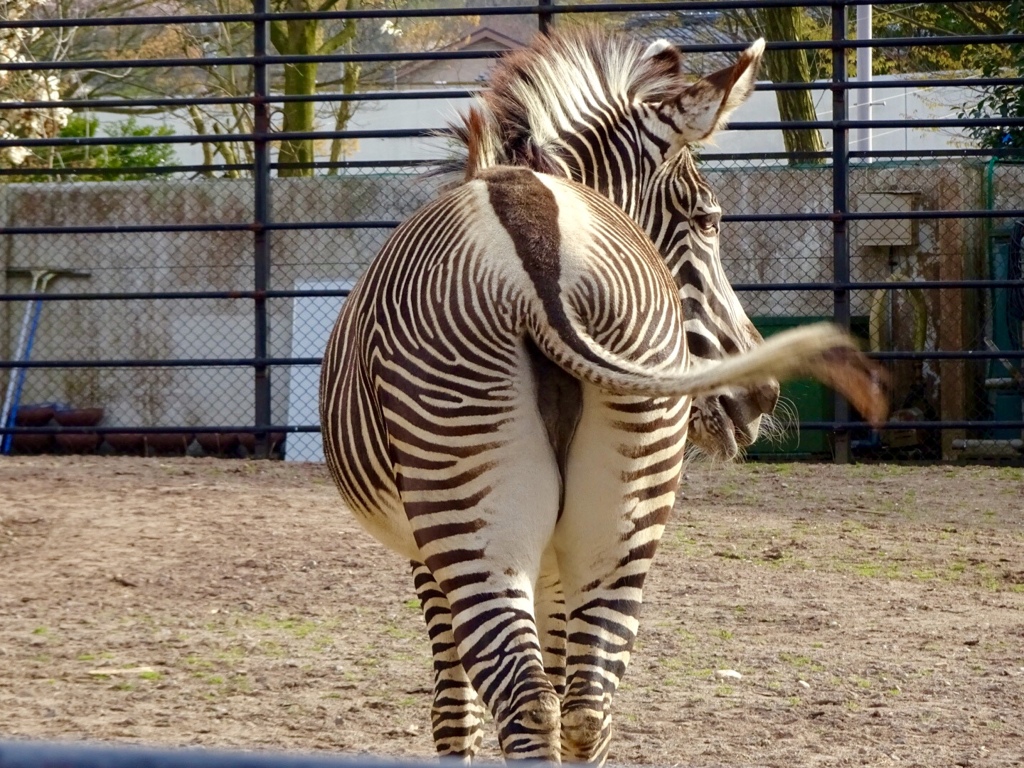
[{"x": 481, "y": 38}]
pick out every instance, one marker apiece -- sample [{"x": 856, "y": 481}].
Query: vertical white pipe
[{"x": 862, "y": 142}]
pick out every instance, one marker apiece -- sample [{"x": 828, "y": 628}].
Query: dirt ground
[{"x": 874, "y": 615}]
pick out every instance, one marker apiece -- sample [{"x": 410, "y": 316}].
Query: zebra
[{"x": 505, "y": 400}]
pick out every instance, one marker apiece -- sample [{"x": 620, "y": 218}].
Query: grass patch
[
  {"x": 399, "y": 633},
  {"x": 800, "y": 661},
  {"x": 875, "y": 570}
]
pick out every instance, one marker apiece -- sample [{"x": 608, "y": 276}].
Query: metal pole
[
  {"x": 840, "y": 206},
  {"x": 261, "y": 218},
  {"x": 864, "y": 66},
  {"x": 544, "y": 17},
  {"x": 16, "y": 376}
]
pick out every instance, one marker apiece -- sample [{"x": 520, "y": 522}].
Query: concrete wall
[
  {"x": 169, "y": 261},
  {"x": 223, "y": 261}
]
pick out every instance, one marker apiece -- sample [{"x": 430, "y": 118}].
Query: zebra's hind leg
[
  {"x": 606, "y": 539},
  {"x": 456, "y": 715},
  {"x": 598, "y": 658},
  {"x": 550, "y": 612}
]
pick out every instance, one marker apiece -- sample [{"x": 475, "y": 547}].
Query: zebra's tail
[{"x": 821, "y": 350}]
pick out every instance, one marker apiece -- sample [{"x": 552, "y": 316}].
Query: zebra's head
[
  {"x": 682, "y": 215},
  {"x": 686, "y": 232},
  {"x": 607, "y": 112}
]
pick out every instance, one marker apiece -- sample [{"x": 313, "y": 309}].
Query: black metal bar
[
  {"x": 809, "y": 45},
  {"x": 677, "y": 5},
  {"x": 245, "y": 61},
  {"x": 113, "y": 105},
  {"x": 960, "y": 354},
  {"x": 37, "y": 754},
  {"x": 927, "y": 425},
  {"x": 261, "y": 236},
  {"x": 149, "y": 170},
  {"x": 709, "y": 161},
  {"x": 119, "y": 229},
  {"x": 845, "y": 123},
  {"x": 167, "y": 170},
  {"x": 117, "y": 429},
  {"x": 871, "y": 285},
  {"x": 840, "y": 206},
  {"x": 289, "y": 294},
  {"x": 544, "y": 16},
  {"x": 237, "y": 138},
  {"x": 240, "y": 362},
  {"x": 120, "y": 429},
  {"x": 967, "y": 82},
  {"x": 99, "y": 229},
  {"x": 876, "y": 216},
  {"x": 415, "y": 133}
]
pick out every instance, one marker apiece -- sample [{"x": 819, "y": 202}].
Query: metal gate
[{"x": 168, "y": 282}]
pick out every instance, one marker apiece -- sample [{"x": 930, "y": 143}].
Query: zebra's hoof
[
  {"x": 542, "y": 714},
  {"x": 581, "y": 732}
]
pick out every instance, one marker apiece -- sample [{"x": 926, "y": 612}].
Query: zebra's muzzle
[{"x": 723, "y": 425}]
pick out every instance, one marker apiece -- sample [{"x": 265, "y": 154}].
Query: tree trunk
[
  {"x": 344, "y": 112},
  {"x": 782, "y": 24},
  {"x": 297, "y": 37}
]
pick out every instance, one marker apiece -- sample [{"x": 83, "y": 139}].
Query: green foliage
[
  {"x": 112, "y": 156},
  {"x": 931, "y": 20},
  {"x": 1003, "y": 101}
]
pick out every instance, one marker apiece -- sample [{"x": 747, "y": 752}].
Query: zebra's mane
[{"x": 536, "y": 91}]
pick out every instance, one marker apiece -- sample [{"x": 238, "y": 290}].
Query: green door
[
  {"x": 812, "y": 400},
  {"x": 1004, "y": 405}
]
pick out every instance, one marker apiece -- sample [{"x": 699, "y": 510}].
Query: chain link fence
[{"x": 183, "y": 307}]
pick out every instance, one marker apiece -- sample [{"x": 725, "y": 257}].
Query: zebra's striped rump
[{"x": 464, "y": 430}]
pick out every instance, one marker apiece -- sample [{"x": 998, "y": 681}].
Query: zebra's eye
[{"x": 707, "y": 223}]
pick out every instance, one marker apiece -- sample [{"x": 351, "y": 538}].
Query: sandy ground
[{"x": 875, "y": 615}]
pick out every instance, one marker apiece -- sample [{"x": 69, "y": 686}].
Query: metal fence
[
  {"x": 41, "y": 754},
  {"x": 170, "y": 302}
]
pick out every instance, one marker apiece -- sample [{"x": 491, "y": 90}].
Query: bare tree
[
  {"x": 17, "y": 45},
  {"x": 786, "y": 24},
  {"x": 309, "y": 37},
  {"x": 201, "y": 43}
]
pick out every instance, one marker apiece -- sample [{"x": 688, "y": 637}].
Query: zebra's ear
[
  {"x": 659, "y": 74},
  {"x": 663, "y": 52},
  {"x": 704, "y": 107}
]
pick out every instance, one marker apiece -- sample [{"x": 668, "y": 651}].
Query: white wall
[{"x": 907, "y": 101}]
